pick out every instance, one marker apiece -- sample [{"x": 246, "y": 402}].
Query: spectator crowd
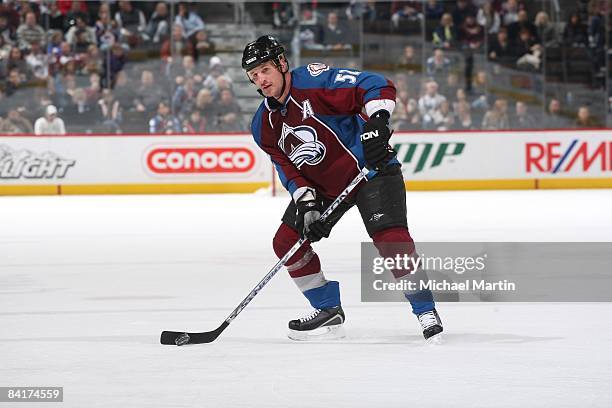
[
  {"x": 508, "y": 35},
  {"x": 72, "y": 60},
  {"x": 122, "y": 66}
]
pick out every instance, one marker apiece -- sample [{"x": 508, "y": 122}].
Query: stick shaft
[{"x": 264, "y": 281}]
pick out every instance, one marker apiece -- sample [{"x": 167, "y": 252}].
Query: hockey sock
[
  {"x": 305, "y": 270},
  {"x": 397, "y": 241}
]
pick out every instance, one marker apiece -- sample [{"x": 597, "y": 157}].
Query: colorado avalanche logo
[
  {"x": 300, "y": 144},
  {"x": 317, "y": 68}
]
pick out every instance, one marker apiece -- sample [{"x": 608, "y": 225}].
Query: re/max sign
[{"x": 556, "y": 157}]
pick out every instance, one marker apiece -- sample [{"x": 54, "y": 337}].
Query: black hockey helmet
[{"x": 265, "y": 48}]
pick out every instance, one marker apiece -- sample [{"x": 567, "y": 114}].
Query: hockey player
[{"x": 313, "y": 126}]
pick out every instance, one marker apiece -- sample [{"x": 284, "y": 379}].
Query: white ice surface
[{"x": 88, "y": 283}]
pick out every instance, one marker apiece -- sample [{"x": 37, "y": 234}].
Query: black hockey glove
[
  {"x": 375, "y": 141},
  {"x": 307, "y": 221}
]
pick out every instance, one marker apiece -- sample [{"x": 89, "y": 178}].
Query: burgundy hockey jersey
[{"x": 313, "y": 139}]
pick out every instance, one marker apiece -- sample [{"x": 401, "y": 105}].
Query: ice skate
[
  {"x": 320, "y": 324},
  {"x": 432, "y": 326}
]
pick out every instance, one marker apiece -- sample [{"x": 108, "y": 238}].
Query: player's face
[{"x": 267, "y": 78}]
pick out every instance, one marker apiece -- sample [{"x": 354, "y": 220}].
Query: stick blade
[{"x": 174, "y": 338}]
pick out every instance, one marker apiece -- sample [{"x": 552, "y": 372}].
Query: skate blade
[
  {"x": 436, "y": 339},
  {"x": 322, "y": 333}
]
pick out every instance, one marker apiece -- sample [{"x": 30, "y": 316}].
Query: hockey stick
[{"x": 182, "y": 338}]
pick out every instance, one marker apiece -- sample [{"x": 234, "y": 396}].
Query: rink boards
[{"x": 232, "y": 163}]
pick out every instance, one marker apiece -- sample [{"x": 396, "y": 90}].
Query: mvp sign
[{"x": 419, "y": 157}]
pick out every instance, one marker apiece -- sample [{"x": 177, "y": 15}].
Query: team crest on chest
[
  {"x": 301, "y": 145},
  {"x": 307, "y": 111}
]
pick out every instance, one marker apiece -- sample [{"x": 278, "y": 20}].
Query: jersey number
[{"x": 346, "y": 75}]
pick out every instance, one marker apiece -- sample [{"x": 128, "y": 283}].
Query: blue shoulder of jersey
[
  {"x": 321, "y": 76},
  {"x": 313, "y": 76},
  {"x": 257, "y": 121}
]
